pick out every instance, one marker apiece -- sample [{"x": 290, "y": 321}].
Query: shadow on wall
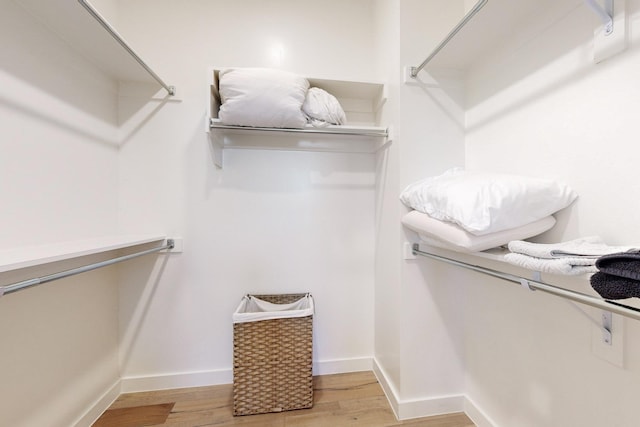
[
  {"x": 37, "y": 57},
  {"x": 141, "y": 277},
  {"x": 284, "y": 171},
  {"x": 60, "y": 350},
  {"x": 44, "y": 77}
]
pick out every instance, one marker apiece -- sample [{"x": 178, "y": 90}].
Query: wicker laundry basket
[{"x": 272, "y": 362}]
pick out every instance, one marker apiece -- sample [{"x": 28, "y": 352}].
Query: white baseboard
[
  {"x": 479, "y": 418},
  {"x": 417, "y": 408},
  {"x": 403, "y": 409},
  {"x": 179, "y": 380},
  {"x": 225, "y": 376},
  {"x": 100, "y": 405},
  {"x": 340, "y": 366},
  {"x": 387, "y": 387}
]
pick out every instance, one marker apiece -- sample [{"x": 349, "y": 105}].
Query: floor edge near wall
[
  {"x": 477, "y": 415},
  {"x": 225, "y": 376},
  {"x": 200, "y": 379},
  {"x": 418, "y": 408},
  {"x": 403, "y": 409},
  {"x": 101, "y": 404}
]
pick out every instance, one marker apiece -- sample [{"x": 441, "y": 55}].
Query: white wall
[
  {"x": 58, "y": 114},
  {"x": 551, "y": 112},
  {"x": 58, "y": 182},
  {"x": 387, "y": 267},
  {"x": 431, "y": 315},
  {"x": 270, "y": 221},
  {"x": 418, "y": 329}
]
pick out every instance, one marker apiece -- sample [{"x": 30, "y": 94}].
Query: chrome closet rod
[
  {"x": 476, "y": 8},
  {"x": 120, "y": 40},
  {"x": 607, "y": 305},
  {"x": 44, "y": 279}
]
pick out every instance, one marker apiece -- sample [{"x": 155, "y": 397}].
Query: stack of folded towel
[
  {"x": 618, "y": 276},
  {"x": 573, "y": 257}
]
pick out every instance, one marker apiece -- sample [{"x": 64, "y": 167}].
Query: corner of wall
[
  {"x": 100, "y": 405},
  {"x": 417, "y": 408}
]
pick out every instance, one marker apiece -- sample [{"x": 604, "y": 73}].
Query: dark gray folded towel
[
  {"x": 623, "y": 264},
  {"x": 615, "y": 287}
]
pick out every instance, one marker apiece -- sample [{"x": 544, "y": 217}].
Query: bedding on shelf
[
  {"x": 573, "y": 257},
  {"x": 450, "y": 236},
  {"x": 474, "y": 211},
  {"x": 483, "y": 203},
  {"x": 322, "y": 108},
  {"x": 262, "y": 97},
  {"x": 618, "y": 275}
]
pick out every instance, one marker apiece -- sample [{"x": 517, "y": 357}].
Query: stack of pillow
[
  {"x": 261, "y": 97},
  {"x": 474, "y": 211}
]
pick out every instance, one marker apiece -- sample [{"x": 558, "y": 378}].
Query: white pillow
[
  {"x": 261, "y": 97},
  {"x": 483, "y": 203},
  {"x": 450, "y": 236},
  {"x": 320, "y": 106}
]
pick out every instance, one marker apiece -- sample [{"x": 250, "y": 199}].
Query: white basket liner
[{"x": 252, "y": 309}]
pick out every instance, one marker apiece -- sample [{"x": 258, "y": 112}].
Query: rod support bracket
[
  {"x": 604, "y": 13},
  {"x": 607, "y": 323},
  {"x": 171, "y": 243},
  {"x": 526, "y": 284}
]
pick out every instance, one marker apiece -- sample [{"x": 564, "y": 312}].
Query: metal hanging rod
[
  {"x": 476, "y": 8},
  {"x": 44, "y": 279},
  {"x": 530, "y": 284},
  {"x": 332, "y": 130},
  {"x": 96, "y": 15}
]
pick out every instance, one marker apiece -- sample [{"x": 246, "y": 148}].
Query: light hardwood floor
[{"x": 354, "y": 399}]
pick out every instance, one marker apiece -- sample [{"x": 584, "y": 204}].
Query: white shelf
[
  {"x": 30, "y": 256},
  {"x": 69, "y": 20},
  {"x": 497, "y": 23},
  {"x": 361, "y": 101}
]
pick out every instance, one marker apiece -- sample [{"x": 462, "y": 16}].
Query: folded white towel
[
  {"x": 586, "y": 247},
  {"x": 565, "y": 265}
]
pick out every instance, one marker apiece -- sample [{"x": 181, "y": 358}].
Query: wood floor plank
[
  {"x": 379, "y": 417},
  {"x": 365, "y": 403},
  {"x": 173, "y": 395},
  {"x": 223, "y": 419},
  {"x": 135, "y": 416},
  {"x": 354, "y": 399},
  {"x": 342, "y": 387},
  {"x": 221, "y": 404}
]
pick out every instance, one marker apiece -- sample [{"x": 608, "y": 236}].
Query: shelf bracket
[{"x": 604, "y": 13}]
